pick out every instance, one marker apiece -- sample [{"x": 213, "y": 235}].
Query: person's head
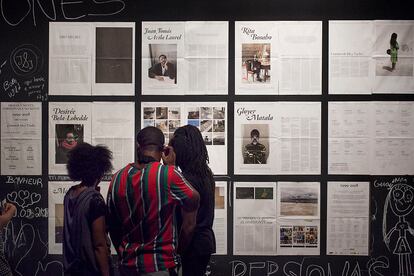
[
  {"x": 89, "y": 163},
  {"x": 70, "y": 137},
  {"x": 393, "y": 39},
  {"x": 190, "y": 150},
  {"x": 150, "y": 144},
  {"x": 255, "y": 135},
  {"x": 163, "y": 59}
]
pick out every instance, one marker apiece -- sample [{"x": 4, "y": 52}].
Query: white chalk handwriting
[{"x": 69, "y": 10}]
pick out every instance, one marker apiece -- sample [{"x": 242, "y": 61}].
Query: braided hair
[{"x": 191, "y": 151}]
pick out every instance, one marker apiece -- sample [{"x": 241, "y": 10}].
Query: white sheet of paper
[
  {"x": 299, "y": 130},
  {"x": 348, "y": 218},
  {"x": 70, "y": 58},
  {"x": 392, "y": 138},
  {"x": 256, "y": 155},
  {"x": 69, "y": 123},
  {"x": 163, "y": 38},
  {"x": 74, "y": 65},
  {"x": 254, "y": 220},
  {"x": 300, "y": 52},
  {"x": 298, "y": 237},
  {"x": 206, "y": 57},
  {"x": 349, "y": 137},
  {"x": 256, "y": 57},
  {"x": 351, "y": 65},
  {"x": 21, "y": 133},
  {"x": 113, "y": 125},
  {"x": 401, "y": 78}
]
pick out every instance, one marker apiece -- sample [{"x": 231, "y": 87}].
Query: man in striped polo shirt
[{"x": 141, "y": 200}]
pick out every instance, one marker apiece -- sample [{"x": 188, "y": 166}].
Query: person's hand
[
  {"x": 8, "y": 207},
  {"x": 168, "y": 156},
  {"x": 160, "y": 78}
]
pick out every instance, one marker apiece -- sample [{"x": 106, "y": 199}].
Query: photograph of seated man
[{"x": 163, "y": 68}]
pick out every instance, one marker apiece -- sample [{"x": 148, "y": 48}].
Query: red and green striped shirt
[{"x": 141, "y": 206}]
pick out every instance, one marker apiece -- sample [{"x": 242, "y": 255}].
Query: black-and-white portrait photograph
[
  {"x": 255, "y": 143},
  {"x": 163, "y": 58}
]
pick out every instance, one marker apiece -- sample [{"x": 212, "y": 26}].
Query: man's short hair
[
  {"x": 162, "y": 55},
  {"x": 254, "y": 132},
  {"x": 151, "y": 138}
]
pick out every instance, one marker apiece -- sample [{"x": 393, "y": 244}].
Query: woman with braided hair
[{"x": 192, "y": 159}]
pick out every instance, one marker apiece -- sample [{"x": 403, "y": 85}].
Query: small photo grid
[
  {"x": 167, "y": 119},
  {"x": 211, "y": 123},
  {"x": 298, "y": 236}
]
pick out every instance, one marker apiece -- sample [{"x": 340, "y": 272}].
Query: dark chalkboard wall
[{"x": 24, "y": 29}]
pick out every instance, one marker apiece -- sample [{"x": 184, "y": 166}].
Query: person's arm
[
  {"x": 99, "y": 245},
  {"x": 114, "y": 226},
  {"x": 7, "y": 214},
  {"x": 189, "y": 216},
  {"x": 189, "y": 199}
]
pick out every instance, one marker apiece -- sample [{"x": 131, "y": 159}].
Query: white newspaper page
[
  {"x": 394, "y": 57},
  {"x": 393, "y": 138},
  {"x": 256, "y": 56},
  {"x": 56, "y": 194},
  {"x": 113, "y": 125},
  {"x": 351, "y": 67},
  {"x": 349, "y": 137},
  {"x": 255, "y": 137},
  {"x": 298, "y": 217},
  {"x": 163, "y": 58},
  {"x": 299, "y": 132},
  {"x": 298, "y": 237},
  {"x": 113, "y": 70},
  {"x": 21, "y": 134},
  {"x": 220, "y": 217},
  {"x": 300, "y": 48},
  {"x": 254, "y": 218},
  {"x": 348, "y": 218},
  {"x": 206, "y": 57},
  {"x": 209, "y": 117},
  {"x": 69, "y": 125},
  {"x": 70, "y": 58}
]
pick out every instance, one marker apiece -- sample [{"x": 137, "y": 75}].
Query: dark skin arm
[
  {"x": 7, "y": 214},
  {"x": 99, "y": 245}
]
